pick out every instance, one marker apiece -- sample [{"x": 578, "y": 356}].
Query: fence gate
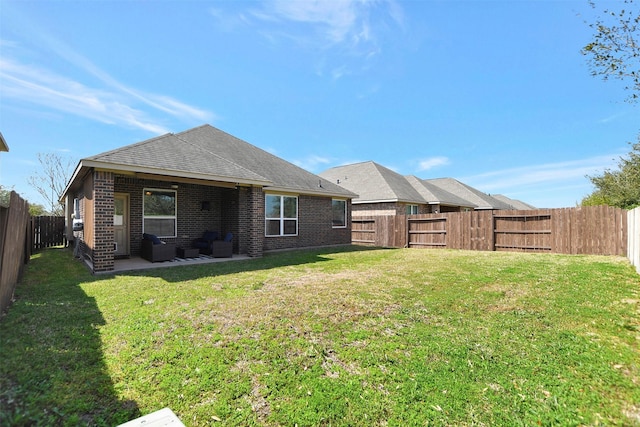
[
  {"x": 596, "y": 230},
  {"x": 47, "y": 231},
  {"x": 427, "y": 232},
  {"x": 522, "y": 232}
]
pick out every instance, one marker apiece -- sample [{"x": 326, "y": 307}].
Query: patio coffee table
[{"x": 188, "y": 252}]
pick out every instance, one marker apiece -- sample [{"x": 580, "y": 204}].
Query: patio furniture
[
  {"x": 222, "y": 248},
  {"x": 188, "y": 252},
  {"x": 154, "y": 250},
  {"x": 204, "y": 243}
]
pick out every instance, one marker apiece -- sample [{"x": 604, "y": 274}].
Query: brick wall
[
  {"x": 103, "y": 237},
  {"x": 192, "y": 219},
  {"x": 240, "y": 211},
  {"x": 255, "y": 222},
  {"x": 314, "y": 226},
  {"x": 385, "y": 208}
]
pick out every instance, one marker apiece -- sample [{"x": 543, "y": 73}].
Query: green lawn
[{"x": 353, "y": 337}]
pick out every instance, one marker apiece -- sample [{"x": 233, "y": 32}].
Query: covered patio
[{"x": 135, "y": 263}]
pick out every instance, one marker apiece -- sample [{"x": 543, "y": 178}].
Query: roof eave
[
  {"x": 115, "y": 167},
  {"x": 86, "y": 164},
  {"x": 3, "y": 143},
  {"x": 275, "y": 189}
]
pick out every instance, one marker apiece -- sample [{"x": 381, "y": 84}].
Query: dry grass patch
[{"x": 328, "y": 337}]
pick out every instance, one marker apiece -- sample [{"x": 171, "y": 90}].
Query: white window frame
[
  {"x": 281, "y": 218},
  {"x": 410, "y": 208},
  {"x": 344, "y": 213},
  {"x": 173, "y": 217}
]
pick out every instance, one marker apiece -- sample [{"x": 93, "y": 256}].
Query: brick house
[
  {"x": 382, "y": 191},
  {"x": 177, "y": 186}
]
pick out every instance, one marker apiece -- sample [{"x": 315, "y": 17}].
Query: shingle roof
[
  {"x": 373, "y": 183},
  {"x": 3, "y": 144},
  {"x": 208, "y": 153},
  {"x": 436, "y": 195},
  {"x": 516, "y": 204},
  {"x": 480, "y": 199},
  {"x": 170, "y": 154}
]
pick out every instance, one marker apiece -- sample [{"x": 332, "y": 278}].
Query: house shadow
[
  {"x": 275, "y": 259},
  {"x": 53, "y": 368}
]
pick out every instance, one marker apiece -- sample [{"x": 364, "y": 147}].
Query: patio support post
[
  {"x": 103, "y": 238},
  {"x": 256, "y": 222}
]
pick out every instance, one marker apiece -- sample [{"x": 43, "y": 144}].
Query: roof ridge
[
  {"x": 135, "y": 144},
  {"x": 217, "y": 155}
]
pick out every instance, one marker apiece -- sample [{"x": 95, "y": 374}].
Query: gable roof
[
  {"x": 436, "y": 195},
  {"x": 3, "y": 143},
  {"x": 516, "y": 204},
  {"x": 480, "y": 199},
  {"x": 207, "y": 155},
  {"x": 373, "y": 183}
]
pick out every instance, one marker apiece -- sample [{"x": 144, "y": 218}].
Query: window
[
  {"x": 412, "y": 209},
  {"x": 159, "y": 212},
  {"x": 281, "y": 215},
  {"x": 76, "y": 208},
  {"x": 339, "y": 213}
]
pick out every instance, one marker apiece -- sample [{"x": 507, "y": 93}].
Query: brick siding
[
  {"x": 314, "y": 226},
  {"x": 240, "y": 211},
  {"x": 103, "y": 236}
]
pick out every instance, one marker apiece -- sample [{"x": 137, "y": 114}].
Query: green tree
[
  {"x": 34, "y": 209},
  {"x": 51, "y": 179},
  {"x": 615, "y": 49},
  {"x": 5, "y": 195},
  {"x": 619, "y": 187},
  {"x": 37, "y": 210}
]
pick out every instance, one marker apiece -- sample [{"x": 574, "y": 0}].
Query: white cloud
[
  {"x": 349, "y": 30},
  {"x": 432, "y": 162},
  {"x": 550, "y": 175},
  {"x": 312, "y": 162},
  {"x": 336, "y": 22},
  {"x": 612, "y": 118},
  {"x": 114, "y": 103},
  {"x": 336, "y": 19},
  {"x": 41, "y": 87}
]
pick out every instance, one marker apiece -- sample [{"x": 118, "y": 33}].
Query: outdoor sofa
[{"x": 155, "y": 250}]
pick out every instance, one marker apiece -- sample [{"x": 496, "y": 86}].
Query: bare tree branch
[
  {"x": 615, "y": 49},
  {"x": 51, "y": 179}
]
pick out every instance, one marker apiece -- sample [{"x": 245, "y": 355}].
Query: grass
[{"x": 342, "y": 338}]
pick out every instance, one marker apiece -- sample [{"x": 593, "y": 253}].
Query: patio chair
[
  {"x": 155, "y": 250},
  {"x": 204, "y": 243},
  {"x": 223, "y": 248}
]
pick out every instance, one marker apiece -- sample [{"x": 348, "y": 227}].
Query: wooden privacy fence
[
  {"x": 47, "y": 231},
  {"x": 598, "y": 230},
  {"x": 14, "y": 252},
  {"x": 633, "y": 237}
]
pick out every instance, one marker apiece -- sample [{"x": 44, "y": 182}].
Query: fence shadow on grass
[{"x": 52, "y": 369}]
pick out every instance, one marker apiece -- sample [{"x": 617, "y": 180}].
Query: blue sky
[{"x": 493, "y": 93}]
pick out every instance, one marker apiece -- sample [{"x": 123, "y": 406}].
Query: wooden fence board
[
  {"x": 47, "y": 231},
  {"x": 427, "y": 232},
  {"x": 363, "y": 231},
  {"x": 633, "y": 237},
  {"x": 14, "y": 250},
  {"x": 517, "y": 231},
  {"x": 584, "y": 230}
]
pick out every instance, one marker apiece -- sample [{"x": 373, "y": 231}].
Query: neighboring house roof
[
  {"x": 205, "y": 154},
  {"x": 517, "y": 204},
  {"x": 480, "y": 199},
  {"x": 373, "y": 183},
  {"x": 436, "y": 195},
  {"x": 3, "y": 144}
]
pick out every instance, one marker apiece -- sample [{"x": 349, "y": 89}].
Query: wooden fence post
[
  {"x": 12, "y": 249},
  {"x": 633, "y": 237},
  {"x": 583, "y": 230}
]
